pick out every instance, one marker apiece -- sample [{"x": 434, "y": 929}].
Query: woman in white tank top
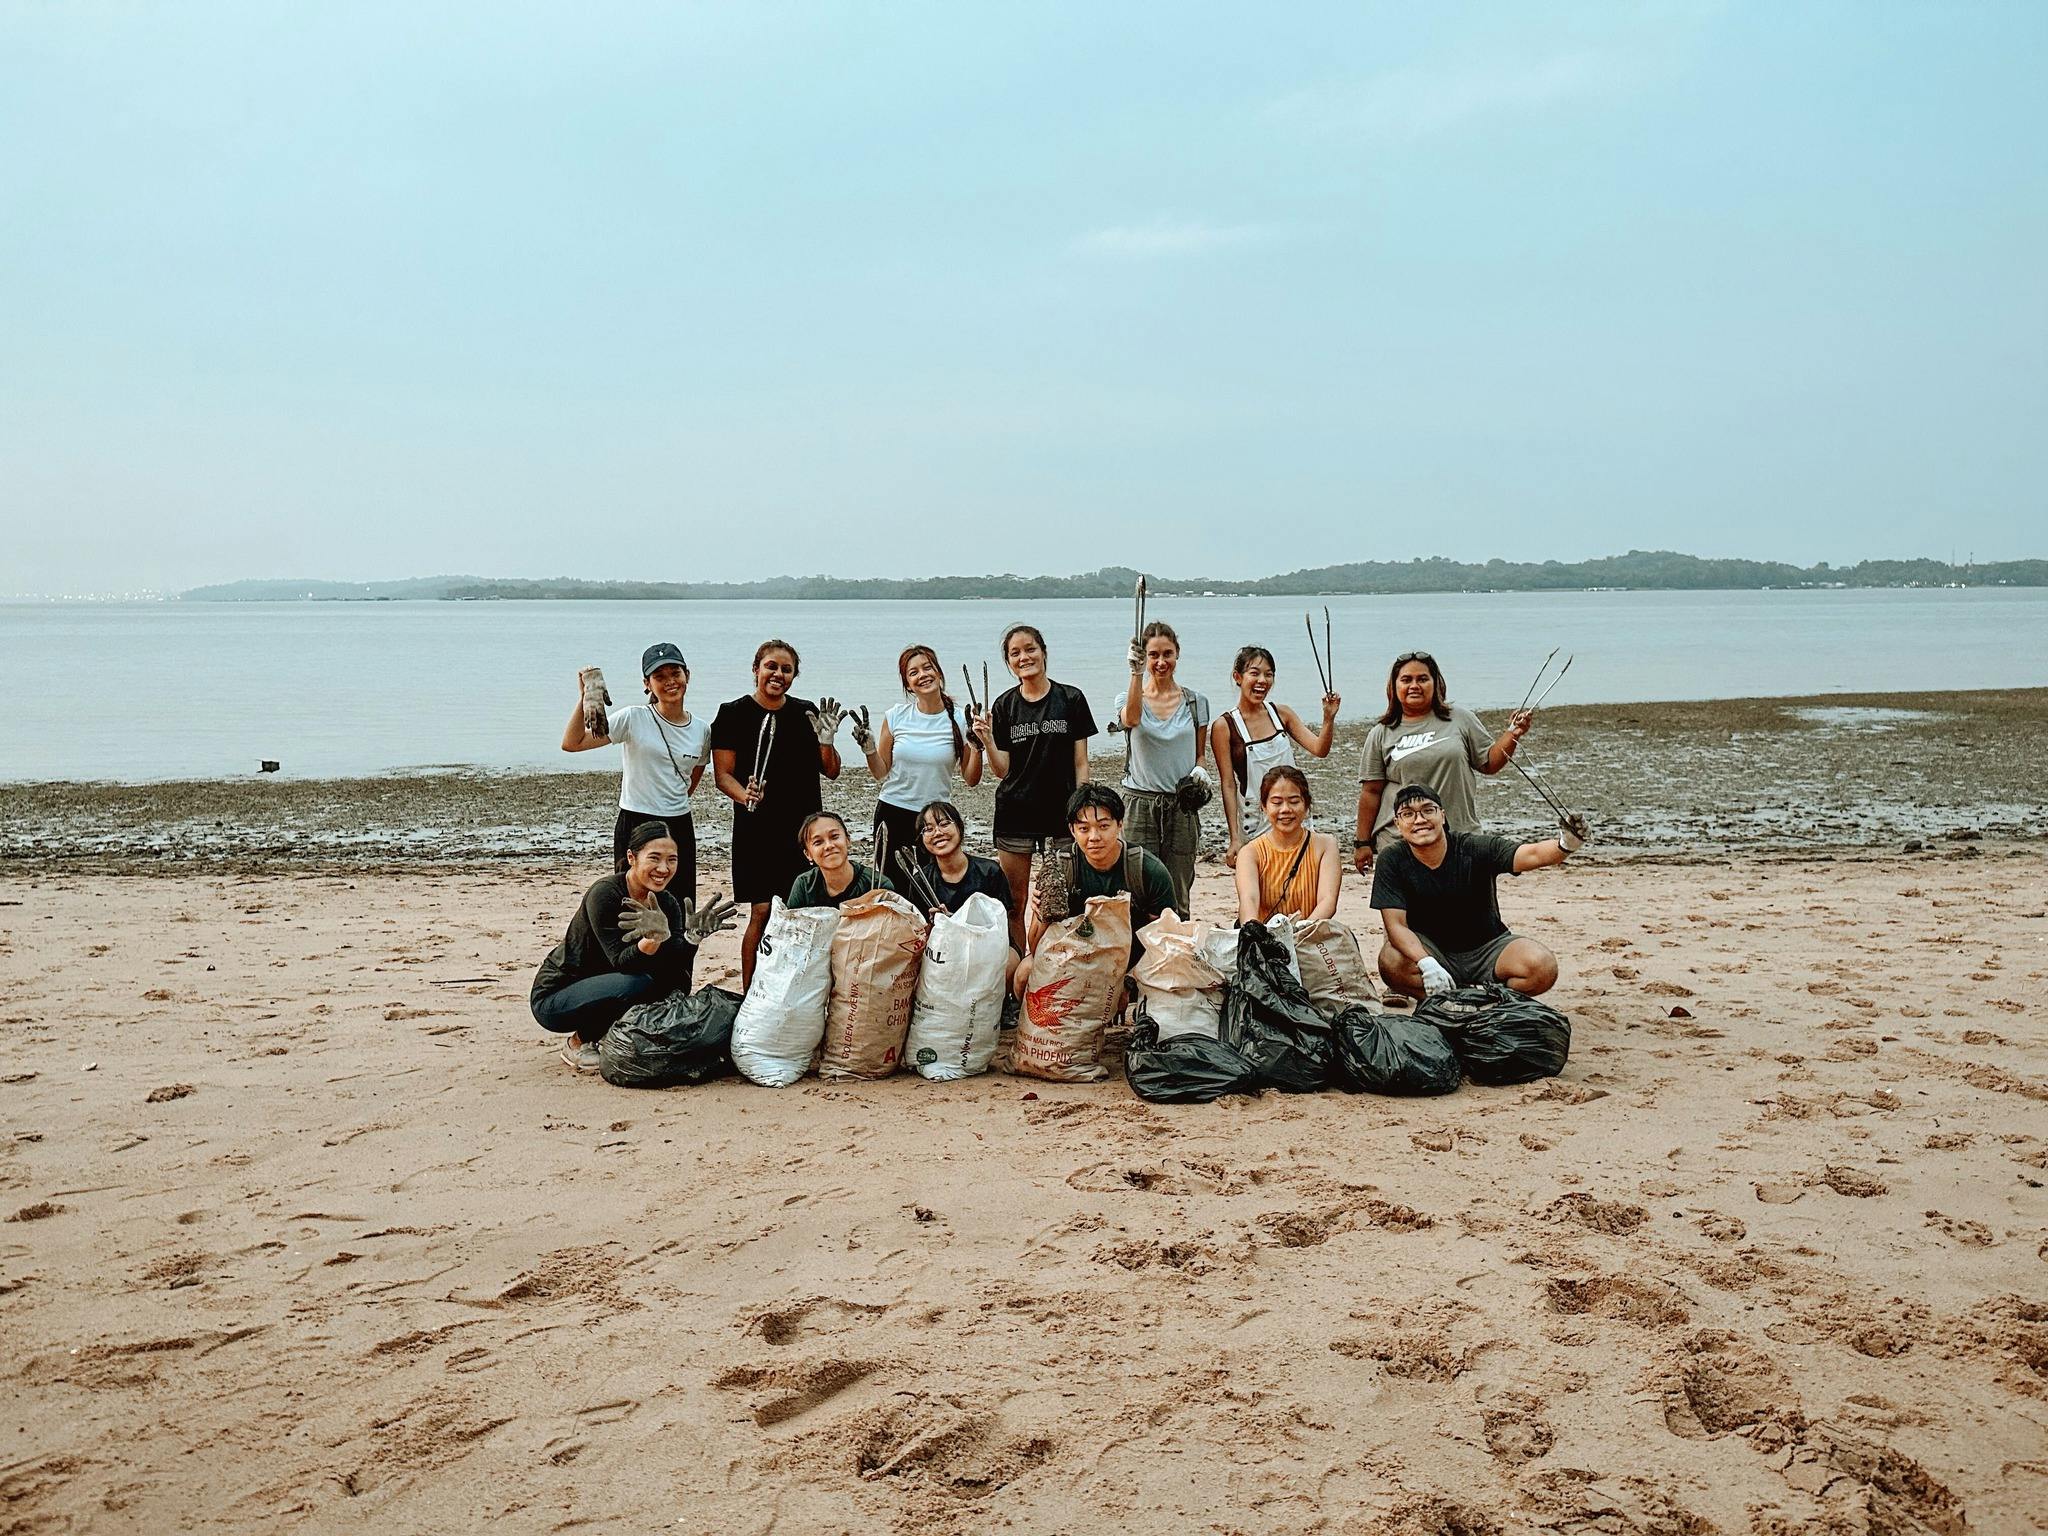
[{"x": 1257, "y": 735}]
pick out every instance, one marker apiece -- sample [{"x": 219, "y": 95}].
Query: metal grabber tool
[
  {"x": 1326, "y": 658},
  {"x": 1540, "y": 697},
  {"x": 764, "y": 748}
]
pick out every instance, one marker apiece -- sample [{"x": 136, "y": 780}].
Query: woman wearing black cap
[{"x": 664, "y": 748}]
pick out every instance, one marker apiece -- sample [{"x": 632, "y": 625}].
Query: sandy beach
[{"x": 309, "y": 1229}]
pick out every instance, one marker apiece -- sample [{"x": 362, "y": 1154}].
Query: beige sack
[
  {"x": 1182, "y": 990},
  {"x": 1333, "y": 968},
  {"x": 1076, "y": 988},
  {"x": 874, "y": 976}
]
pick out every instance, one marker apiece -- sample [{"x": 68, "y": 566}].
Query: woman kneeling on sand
[
  {"x": 630, "y": 942},
  {"x": 1287, "y": 869}
]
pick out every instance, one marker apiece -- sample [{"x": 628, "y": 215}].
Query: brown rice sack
[
  {"x": 875, "y": 951},
  {"x": 1076, "y": 988},
  {"x": 1333, "y": 967}
]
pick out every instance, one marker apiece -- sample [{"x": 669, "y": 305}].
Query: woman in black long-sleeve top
[{"x": 625, "y": 945}]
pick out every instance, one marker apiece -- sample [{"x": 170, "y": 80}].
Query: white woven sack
[
  {"x": 782, "y": 1021},
  {"x": 956, "y": 1018}
]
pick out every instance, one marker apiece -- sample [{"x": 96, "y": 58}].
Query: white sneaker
[{"x": 582, "y": 1056}]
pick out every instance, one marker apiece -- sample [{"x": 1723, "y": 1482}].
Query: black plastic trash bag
[
  {"x": 1182, "y": 1069},
  {"x": 1392, "y": 1053},
  {"x": 681, "y": 1038},
  {"x": 1268, "y": 1019},
  {"x": 1500, "y": 1036}
]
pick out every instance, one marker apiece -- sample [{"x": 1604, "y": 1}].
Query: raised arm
[
  {"x": 575, "y": 738},
  {"x": 1317, "y": 742}
]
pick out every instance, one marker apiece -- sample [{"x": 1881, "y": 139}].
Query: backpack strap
[{"x": 1134, "y": 872}]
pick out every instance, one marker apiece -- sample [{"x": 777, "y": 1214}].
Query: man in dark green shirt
[{"x": 1100, "y": 863}]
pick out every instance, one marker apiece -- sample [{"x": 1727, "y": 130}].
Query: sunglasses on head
[{"x": 1407, "y": 656}]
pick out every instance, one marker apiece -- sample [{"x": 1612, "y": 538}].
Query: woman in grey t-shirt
[
  {"x": 1166, "y": 726},
  {"x": 1423, "y": 738}
]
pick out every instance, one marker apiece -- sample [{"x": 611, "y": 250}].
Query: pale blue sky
[{"x": 725, "y": 291}]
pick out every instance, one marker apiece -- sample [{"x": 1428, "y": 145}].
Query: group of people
[{"x": 1059, "y": 836}]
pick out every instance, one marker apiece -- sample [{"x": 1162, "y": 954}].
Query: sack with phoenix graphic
[{"x": 1075, "y": 990}]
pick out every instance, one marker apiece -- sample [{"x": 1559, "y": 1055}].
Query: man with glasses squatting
[{"x": 1434, "y": 893}]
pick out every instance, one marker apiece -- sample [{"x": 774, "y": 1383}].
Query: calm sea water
[{"x": 189, "y": 690}]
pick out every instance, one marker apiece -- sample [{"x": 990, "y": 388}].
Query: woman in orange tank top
[{"x": 1287, "y": 869}]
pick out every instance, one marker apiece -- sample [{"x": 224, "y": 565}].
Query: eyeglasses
[
  {"x": 1407, "y": 656},
  {"x": 1416, "y": 810}
]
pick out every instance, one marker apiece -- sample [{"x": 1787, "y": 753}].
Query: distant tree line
[{"x": 1659, "y": 570}]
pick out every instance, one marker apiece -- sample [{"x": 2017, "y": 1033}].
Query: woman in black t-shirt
[
  {"x": 1035, "y": 738},
  {"x": 625, "y": 945},
  {"x": 769, "y": 749},
  {"x": 949, "y": 872}
]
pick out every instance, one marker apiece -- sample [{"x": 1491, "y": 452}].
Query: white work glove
[
  {"x": 1435, "y": 978},
  {"x": 825, "y": 720},
  {"x": 639, "y": 922},
  {"x": 863, "y": 734},
  {"x": 1573, "y": 833},
  {"x": 595, "y": 697},
  {"x": 1201, "y": 776},
  {"x": 1137, "y": 654},
  {"x": 699, "y": 923}
]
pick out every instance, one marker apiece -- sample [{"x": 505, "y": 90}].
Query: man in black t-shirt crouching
[{"x": 1434, "y": 893}]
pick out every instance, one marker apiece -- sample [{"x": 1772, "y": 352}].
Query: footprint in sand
[
  {"x": 795, "y": 1388},
  {"x": 1516, "y": 1430},
  {"x": 1610, "y": 1216},
  {"x": 1970, "y": 1234}
]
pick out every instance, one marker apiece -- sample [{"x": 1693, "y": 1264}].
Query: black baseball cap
[
  {"x": 1408, "y": 792},
  {"x": 661, "y": 655}
]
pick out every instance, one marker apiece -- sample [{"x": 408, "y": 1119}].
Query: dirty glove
[
  {"x": 639, "y": 922},
  {"x": 863, "y": 734},
  {"x": 1137, "y": 654},
  {"x": 1194, "y": 791},
  {"x": 699, "y": 923},
  {"x": 1434, "y": 977},
  {"x": 595, "y": 697},
  {"x": 1573, "y": 832},
  {"x": 825, "y": 720}
]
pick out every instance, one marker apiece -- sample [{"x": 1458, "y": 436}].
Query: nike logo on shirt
[{"x": 1407, "y": 746}]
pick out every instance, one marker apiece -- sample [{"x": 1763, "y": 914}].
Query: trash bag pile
[
  {"x": 863, "y": 991},
  {"x": 1299, "y": 1013}
]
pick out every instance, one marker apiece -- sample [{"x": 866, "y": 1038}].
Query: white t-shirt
[
  {"x": 659, "y": 759},
  {"x": 921, "y": 757}
]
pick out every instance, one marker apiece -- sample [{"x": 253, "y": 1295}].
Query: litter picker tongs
[
  {"x": 914, "y": 877},
  {"x": 1531, "y": 689},
  {"x": 975, "y": 706},
  {"x": 764, "y": 748},
  {"x": 1326, "y": 658}
]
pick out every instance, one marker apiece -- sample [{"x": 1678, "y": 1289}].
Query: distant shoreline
[{"x": 1637, "y": 571}]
